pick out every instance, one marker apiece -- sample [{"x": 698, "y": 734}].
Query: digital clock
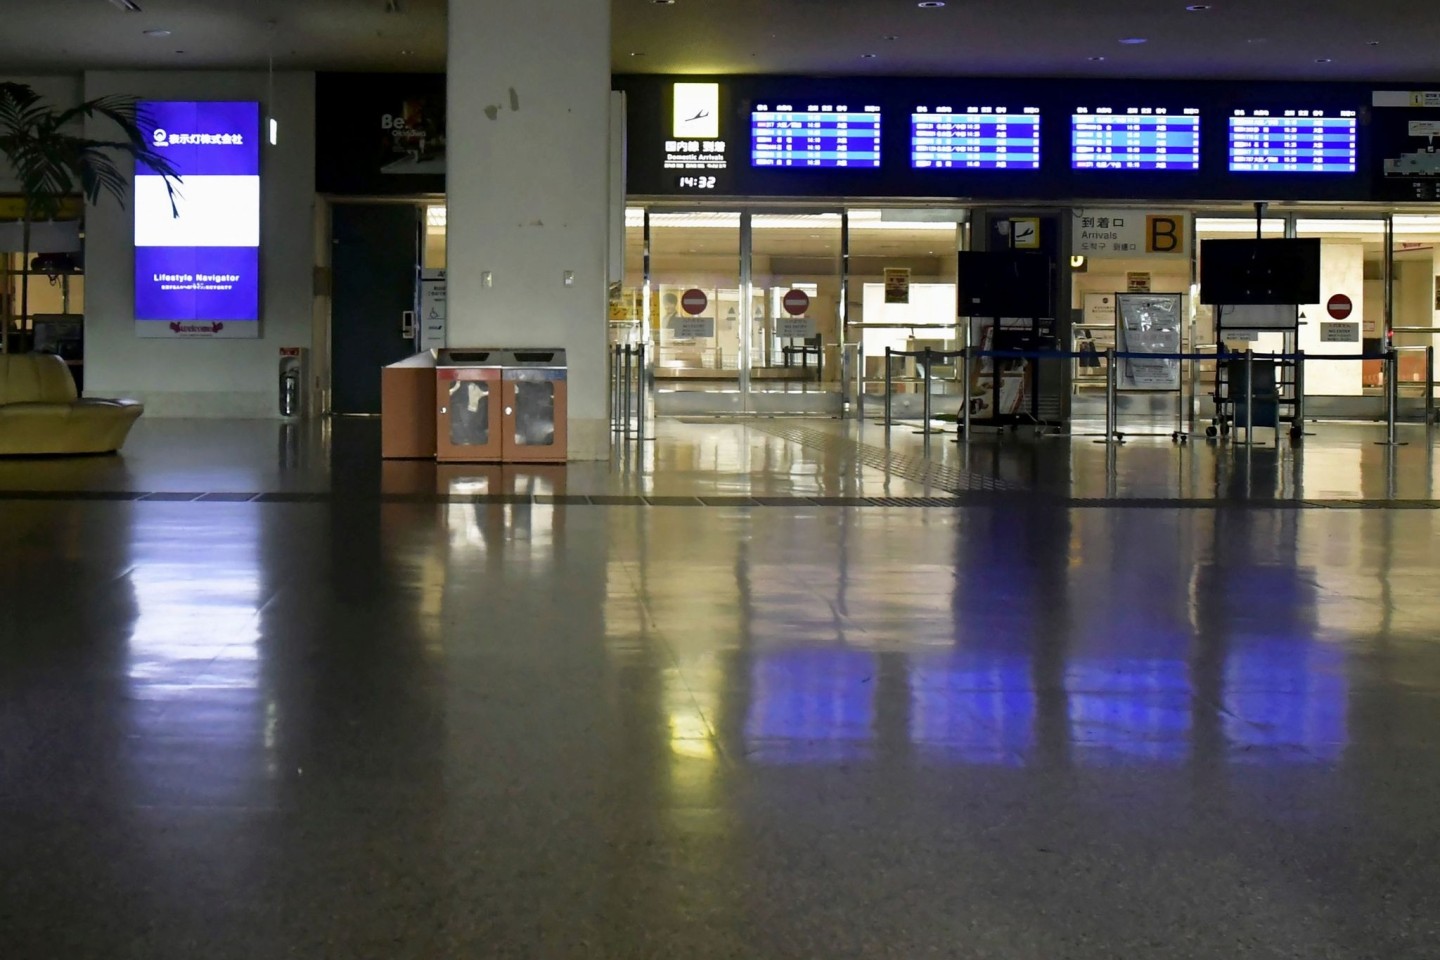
[{"x": 695, "y": 183}]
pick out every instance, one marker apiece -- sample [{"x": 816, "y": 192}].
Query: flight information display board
[
  {"x": 1292, "y": 141},
  {"x": 1135, "y": 138},
  {"x": 975, "y": 138},
  {"x": 814, "y": 135}
]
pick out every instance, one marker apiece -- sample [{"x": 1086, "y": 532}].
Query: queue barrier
[{"x": 1390, "y": 358}]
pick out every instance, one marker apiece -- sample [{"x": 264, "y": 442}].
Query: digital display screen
[
  {"x": 1135, "y": 138},
  {"x": 198, "y": 273},
  {"x": 814, "y": 135},
  {"x": 1292, "y": 141},
  {"x": 975, "y": 138}
]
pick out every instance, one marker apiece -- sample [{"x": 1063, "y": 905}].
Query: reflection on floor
[{"x": 445, "y": 725}]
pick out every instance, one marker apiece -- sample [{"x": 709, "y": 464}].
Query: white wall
[
  {"x": 1342, "y": 270},
  {"x": 60, "y": 90},
  {"x": 527, "y": 188},
  {"x": 208, "y": 378}
]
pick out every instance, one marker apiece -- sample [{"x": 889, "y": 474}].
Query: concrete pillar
[{"x": 527, "y": 145}]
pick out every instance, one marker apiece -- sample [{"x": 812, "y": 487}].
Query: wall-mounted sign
[
  {"x": 433, "y": 309},
  {"x": 694, "y": 301},
  {"x": 1025, "y": 233},
  {"x": 692, "y": 328},
  {"x": 379, "y": 134},
  {"x": 1137, "y": 282},
  {"x": 197, "y": 267},
  {"x": 1339, "y": 332},
  {"x": 1339, "y": 306},
  {"x": 897, "y": 284},
  {"x": 1099, "y": 309},
  {"x": 795, "y": 302},
  {"x": 695, "y": 148},
  {"x": 1130, "y": 233}
]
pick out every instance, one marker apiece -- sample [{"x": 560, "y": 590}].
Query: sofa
[{"x": 40, "y": 412}]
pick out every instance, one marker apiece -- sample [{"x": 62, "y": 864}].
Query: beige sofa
[{"x": 41, "y": 414}]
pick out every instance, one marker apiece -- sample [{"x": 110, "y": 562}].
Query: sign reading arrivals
[{"x": 198, "y": 274}]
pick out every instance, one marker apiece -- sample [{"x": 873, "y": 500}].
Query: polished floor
[{"x": 766, "y": 689}]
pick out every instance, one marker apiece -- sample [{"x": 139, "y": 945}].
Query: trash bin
[
  {"x": 468, "y": 392},
  {"x": 407, "y": 408},
  {"x": 536, "y": 404}
]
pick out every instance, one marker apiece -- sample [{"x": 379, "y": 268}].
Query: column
[{"x": 527, "y": 145}]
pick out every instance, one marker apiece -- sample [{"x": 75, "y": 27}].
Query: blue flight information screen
[
  {"x": 814, "y": 135},
  {"x": 975, "y": 138},
  {"x": 1135, "y": 138},
  {"x": 1292, "y": 141}
]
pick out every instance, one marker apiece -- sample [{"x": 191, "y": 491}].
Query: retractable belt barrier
[{"x": 1299, "y": 358}]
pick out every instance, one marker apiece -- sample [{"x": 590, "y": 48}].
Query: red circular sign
[
  {"x": 795, "y": 302},
  {"x": 1339, "y": 306},
  {"x": 694, "y": 302}
]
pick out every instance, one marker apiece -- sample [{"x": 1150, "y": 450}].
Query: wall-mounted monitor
[
  {"x": 197, "y": 266},
  {"x": 1135, "y": 138},
  {"x": 1293, "y": 141},
  {"x": 815, "y": 134},
  {"x": 974, "y": 138},
  {"x": 1249, "y": 272}
]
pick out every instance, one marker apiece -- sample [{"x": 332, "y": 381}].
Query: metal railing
[{"x": 628, "y": 390}]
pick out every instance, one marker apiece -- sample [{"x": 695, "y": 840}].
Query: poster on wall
[
  {"x": 1150, "y": 326},
  {"x": 197, "y": 264},
  {"x": 1014, "y": 377},
  {"x": 380, "y": 134}
]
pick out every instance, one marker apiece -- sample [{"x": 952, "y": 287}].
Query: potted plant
[{"x": 52, "y": 161}]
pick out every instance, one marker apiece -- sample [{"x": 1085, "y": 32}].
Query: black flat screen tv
[
  {"x": 1004, "y": 283},
  {"x": 1279, "y": 271}
]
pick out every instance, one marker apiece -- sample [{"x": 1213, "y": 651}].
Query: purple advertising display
[{"x": 198, "y": 274}]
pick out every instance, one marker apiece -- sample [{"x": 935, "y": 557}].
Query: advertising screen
[
  {"x": 1293, "y": 141},
  {"x": 814, "y": 135},
  {"x": 1135, "y": 138},
  {"x": 975, "y": 138},
  {"x": 197, "y": 272}
]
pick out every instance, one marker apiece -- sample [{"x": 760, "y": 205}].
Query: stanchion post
[
  {"x": 640, "y": 393},
  {"x": 628, "y": 388},
  {"x": 889, "y": 389},
  {"x": 1249, "y": 395},
  {"x": 1429, "y": 386},
  {"x": 925, "y": 400},
  {"x": 1392, "y": 392},
  {"x": 1111, "y": 397},
  {"x": 965, "y": 386},
  {"x": 1299, "y": 393},
  {"x": 615, "y": 387}
]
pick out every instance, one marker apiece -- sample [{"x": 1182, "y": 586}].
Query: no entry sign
[
  {"x": 694, "y": 301},
  {"x": 1339, "y": 306},
  {"x": 795, "y": 302}
]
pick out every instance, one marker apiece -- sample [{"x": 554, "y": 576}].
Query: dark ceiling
[{"x": 1316, "y": 39}]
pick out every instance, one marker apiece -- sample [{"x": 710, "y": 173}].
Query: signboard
[
  {"x": 795, "y": 302},
  {"x": 380, "y": 134},
  {"x": 694, "y": 301},
  {"x": 1130, "y": 234},
  {"x": 1339, "y": 332},
  {"x": 693, "y": 328},
  {"x": 1339, "y": 306},
  {"x": 433, "y": 310},
  {"x": 1149, "y": 324},
  {"x": 1025, "y": 233},
  {"x": 897, "y": 284},
  {"x": 1099, "y": 309},
  {"x": 1137, "y": 282},
  {"x": 197, "y": 266},
  {"x": 795, "y": 328}
]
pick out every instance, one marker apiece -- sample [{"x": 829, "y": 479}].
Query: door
[{"x": 373, "y": 255}]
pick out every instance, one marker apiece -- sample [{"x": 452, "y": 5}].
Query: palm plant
[{"x": 53, "y": 162}]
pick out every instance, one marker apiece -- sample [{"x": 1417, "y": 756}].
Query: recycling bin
[
  {"x": 407, "y": 408},
  {"x": 468, "y": 421},
  {"x": 535, "y": 384}
]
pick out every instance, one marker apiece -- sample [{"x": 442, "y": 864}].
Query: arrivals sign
[
  {"x": 197, "y": 265},
  {"x": 1130, "y": 234}
]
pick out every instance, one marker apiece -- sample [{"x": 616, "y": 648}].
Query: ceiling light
[
  {"x": 1198, "y": 7},
  {"x": 867, "y": 56},
  {"x": 157, "y": 33},
  {"x": 663, "y": 3},
  {"x": 890, "y": 36},
  {"x": 1096, "y": 59},
  {"x": 931, "y": 4},
  {"x": 129, "y": 6},
  {"x": 1374, "y": 43},
  {"x": 1133, "y": 40},
  {"x": 1257, "y": 40},
  {"x": 1323, "y": 60}
]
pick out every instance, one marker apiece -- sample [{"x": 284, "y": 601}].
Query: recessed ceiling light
[
  {"x": 663, "y": 3},
  {"x": 1257, "y": 40},
  {"x": 1133, "y": 40},
  {"x": 1323, "y": 60},
  {"x": 1096, "y": 59},
  {"x": 636, "y": 53},
  {"x": 1198, "y": 7},
  {"x": 867, "y": 56},
  {"x": 129, "y": 6},
  {"x": 931, "y": 4},
  {"x": 1374, "y": 43},
  {"x": 157, "y": 33},
  {"x": 890, "y": 36}
]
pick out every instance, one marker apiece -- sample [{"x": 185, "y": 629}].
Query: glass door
[
  {"x": 696, "y": 315},
  {"x": 796, "y": 302}
]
